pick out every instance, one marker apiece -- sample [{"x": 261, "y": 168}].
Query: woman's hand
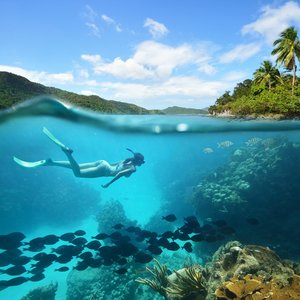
[{"x": 126, "y": 173}]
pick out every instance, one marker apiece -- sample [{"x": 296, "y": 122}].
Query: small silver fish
[
  {"x": 253, "y": 141},
  {"x": 238, "y": 152},
  {"x": 225, "y": 144},
  {"x": 268, "y": 143},
  {"x": 208, "y": 150},
  {"x": 223, "y": 209},
  {"x": 296, "y": 145}
]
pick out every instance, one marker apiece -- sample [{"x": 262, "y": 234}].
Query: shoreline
[{"x": 274, "y": 117}]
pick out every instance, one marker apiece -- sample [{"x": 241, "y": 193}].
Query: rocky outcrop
[{"x": 42, "y": 293}]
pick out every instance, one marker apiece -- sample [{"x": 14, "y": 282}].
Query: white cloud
[
  {"x": 83, "y": 73},
  {"x": 128, "y": 69},
  {"x": 93, "y": 59},
  {"x": 40, "y": 77},
  {"x": 274, "y": 20},
  {"x": 174, "y": 89},
  {"x": 112, "y": 22},
  {"x": 94, "y": 29},
  {"x": 191, "y": 86},
  {"x": 163, "y": 58},
  {"x": 88, "y": 93},
  {"x": 207, "y": 69},
  {"x": 60, "y": 78},
  {"x": 154, "y": 60},
  {"x": 155, "y": 28},
  {"x": 91, "y": 17},
  {"x": 90, "y": 14},
  {"x": 240, "y": 53},
  {"x": 107, "y": 19},
  {"x": 90, "y": 82},
  {"x": 125, "y": 69}
]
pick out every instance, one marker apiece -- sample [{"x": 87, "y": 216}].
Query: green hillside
[
  {"x": 176, "y": 110},
  {"x": 15, "y": 89}
]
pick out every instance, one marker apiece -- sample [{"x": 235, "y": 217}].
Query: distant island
[
  {"x": 15, "y": 89},
  {"x": 177, "y": 110},
  {"x": 270, "y": 93}
]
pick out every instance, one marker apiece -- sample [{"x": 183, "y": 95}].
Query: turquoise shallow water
[{"x": 188, "y": 164}]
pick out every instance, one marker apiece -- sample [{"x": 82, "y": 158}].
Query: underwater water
[{"x": 243, "y": 172}]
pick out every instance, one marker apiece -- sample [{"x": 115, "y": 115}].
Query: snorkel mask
[{"x": 138, "y": 157}]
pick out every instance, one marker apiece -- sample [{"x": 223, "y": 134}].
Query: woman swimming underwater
[{"x": 100, "y": 168}]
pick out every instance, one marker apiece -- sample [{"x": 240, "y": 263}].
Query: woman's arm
[{"x": 126, "y": 173}]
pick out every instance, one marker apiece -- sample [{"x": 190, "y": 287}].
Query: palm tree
[
  {"x": 287, "y": 50},
  {"x": 267, "y": 74}
]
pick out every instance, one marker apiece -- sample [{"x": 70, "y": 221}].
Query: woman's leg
[
  {"x": 87, "y": 170},
  {"x": 63, "y": 163},
  {"x": 79, "y": 170},
  {"x": 72, "y": 162},
  {"x": 66, "y": 164}
]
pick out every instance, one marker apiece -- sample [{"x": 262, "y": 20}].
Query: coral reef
[
  {"x": 231, "y": 184},
  {"x": 160, "y": 280},
  {"x": 257, "y": 288},
  {"x": 234, "y": 260},
  {"x": 101, "y": 283},
  {"x": 240, "y": 288},
  {"x": 104, "y": 283},
  {"x": 258, "y": 180},
  {"x": 106, "y": 219},
  {"x": 186, "y": 283},
  {"x": 42, "y": 293},
  {"x": 235, "y": 272}
]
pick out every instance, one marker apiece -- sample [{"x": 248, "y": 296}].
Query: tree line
[{"x": 270, "y": 91}]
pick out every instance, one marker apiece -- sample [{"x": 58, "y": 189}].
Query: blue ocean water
[{"x": 236, "y": 170}]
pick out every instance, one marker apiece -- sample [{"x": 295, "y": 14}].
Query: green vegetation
[
  {"x": 269, "y": 92},
  {"x": 267, "y": 75},
  {"x": 176, "y": 110},
  {"x": 287, "y": 49},
  {"x": 15, "y": 89}
]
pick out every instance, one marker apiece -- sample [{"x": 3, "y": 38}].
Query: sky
[{"x": 154, "y": 54}]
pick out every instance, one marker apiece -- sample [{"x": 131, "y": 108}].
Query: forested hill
[
  {"x": 15, "y": 89},
  {"x": 177, "y": 110}
]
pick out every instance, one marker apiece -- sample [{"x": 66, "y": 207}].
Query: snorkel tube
[
  {"x": 137, "y": 157},
  {"x": 130, "y": 150}
]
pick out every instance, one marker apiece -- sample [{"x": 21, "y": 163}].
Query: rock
[{"x": 42, "y": 293}]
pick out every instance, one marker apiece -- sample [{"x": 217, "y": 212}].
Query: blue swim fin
[{"x": 27, "y": 164}]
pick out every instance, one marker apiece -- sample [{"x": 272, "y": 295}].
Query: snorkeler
[{"x": 100, "y": 168}]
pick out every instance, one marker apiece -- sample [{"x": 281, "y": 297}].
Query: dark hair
[{"x": 137, "y": 159}]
